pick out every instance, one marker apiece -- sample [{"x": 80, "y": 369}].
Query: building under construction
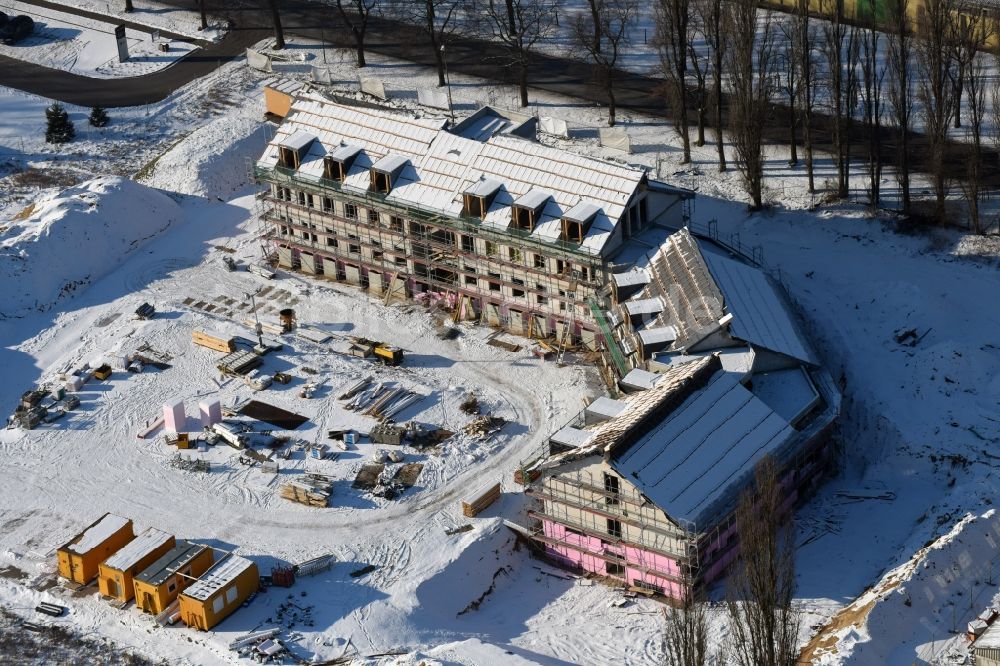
[
  {"x": 478, "y": 215},
  {"x": 716, "y": 374}
]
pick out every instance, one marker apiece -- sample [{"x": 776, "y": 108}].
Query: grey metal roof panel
[
  {"x": 297, "y": 141},
  {"x": 170, "y": 563},
  {"x": 658, "y": 335},
  {"x": 582, "y": 212},
  {"x": 390, "y": 163},
  {"x": 344, "y": 152},
  {"x": 533, "y": 198},
  {"x": 483, "y": 187},
  {"x": 761, "y": 315}
]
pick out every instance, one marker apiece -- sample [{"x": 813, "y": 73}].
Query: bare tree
[
  {"x": 685, "y": 634},
  {"x": 701, "y": 65},
  {"x": 355, "y": 15},
  {"x": 788, "y": 59},
  {"x": 751, "y": 69},
  {"x": 672, "y": 18},
  {"x": 763, "y": 624},
  {"x": 519, "y": 25},
  {"x": 966, "y": 29},
  {"x": 936, "y": 62},
  {"x": 595, "y": 7},
  {"x": 976, "y": 75},
  {"x": 714, "y": 26},
  {"x": 279, "y": 34},
  {"x": 615, "y": 17},
  {"x": 841, "y": 47},
  {"x": 900, "y": 48},
  {"x": 873, "y": 70},
  {"x": 807, "y": 83},
  {"x": 438, "y": 19}
]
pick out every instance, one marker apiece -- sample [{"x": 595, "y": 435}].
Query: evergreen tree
[
  {"x": 60, "y": 128},
  {"x": 98, "y": 117}
]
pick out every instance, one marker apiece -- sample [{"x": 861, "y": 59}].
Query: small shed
[
  {"x": 80, "y": 558},
  {"x": 117, "y": 573},
  {"x": 214, "y": 596},
  {"x": 158, "y": 585}
]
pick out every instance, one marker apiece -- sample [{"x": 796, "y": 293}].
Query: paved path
[
  {"x": 473, "y": 57},
  {"x": 126, "y": 91}
]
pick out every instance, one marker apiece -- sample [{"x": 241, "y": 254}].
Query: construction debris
[
  {"x": 54, "y": 610},
  {"x": 470, "y": 405},
  {"x": 368, "y": 476},
  {"x": 190, "y": 464},
  {"x": 367, "y": 569},
  {"x": 484, "y": 426},
  {"x": 145, "y": 311},
  {"x": 458, "y": 530},
  {"x": 312, "y": 490}
]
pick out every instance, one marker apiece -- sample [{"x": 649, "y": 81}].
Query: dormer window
[
  {"x": 385, "y": 172},
  {"x": 528, "y": 209},
  {"x": 334, "y": 170},
  {"x": 337, "y": 163},
  {"x": 479, "y": 197},
  {"x": 577, "y": 220},
  {"x": 292, "y": 149}
]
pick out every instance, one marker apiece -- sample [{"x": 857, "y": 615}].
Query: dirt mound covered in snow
[
  {"x": 64, "y": 242},
  {"x": 212, "y": 160}
]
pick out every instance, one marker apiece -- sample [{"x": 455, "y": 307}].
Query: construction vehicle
[
  {"x": 388, "y": 354},
  {"x": 103, "y": 372}
]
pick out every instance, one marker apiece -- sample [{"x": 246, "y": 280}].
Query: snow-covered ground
[
  {"x": 158, "y": 16},
  {"x": 85, "y": 46},
  {"x": 917, "y": 442}
]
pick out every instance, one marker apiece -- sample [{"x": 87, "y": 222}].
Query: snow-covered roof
[
  {"x": 631, "y": 277},
  {"x": 572, "y": 437},
  {"x": 221, "y": 574},
  {"x": 287, "y": 86},
  {"x": 761, "y": 315},
  {"x": 484, "y": 187},
  {"x": 138, "y": 548},
  {"x": 443, "y": 165},
  {"x": 685, "y": 462},
  {"x": 990, "y": 637},
  {"x": 605, "y": 408},
  {"x": 640, "y": 410},
  {"x": 644, "y": 306},
  {"x": 788, "y": 392},
  {"x": 96, "y": 534},
  {"x": 170, "y": 562}
]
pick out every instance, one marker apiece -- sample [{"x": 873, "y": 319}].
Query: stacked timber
[
  {"x": 483, "y": 426},
  {"x": 214, "y": 341},
  {"x": 312, "y": 490},
  {"x": 480, "y": 500}
]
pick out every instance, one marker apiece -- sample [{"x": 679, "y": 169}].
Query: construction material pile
[
  {"x": 311, "y": 490},
  {"x": 480, "y": 500},
  {"x": 484, "y": 426},
  {"x": 380, "y": 400}
]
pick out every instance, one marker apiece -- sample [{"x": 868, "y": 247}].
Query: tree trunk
[
  {"x": 128, "y": 6},
  {"x": 611, "y": 100},
  {"x": 359, "y": 47},
  {"x": 522, "y": 82},
  {"x": 511, "y": 18},
  {"x": 793, "y": 158},
  {"x": 702, "y": 113},
  {"x": 279, "y": 34},
  {"x": 204, "y": 19},
  {"x": 432, "y": 34}
]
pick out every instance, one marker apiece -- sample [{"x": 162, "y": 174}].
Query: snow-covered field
[
  {"x": 85, "y": 46},
  {"x": 917, "y": 442}
]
